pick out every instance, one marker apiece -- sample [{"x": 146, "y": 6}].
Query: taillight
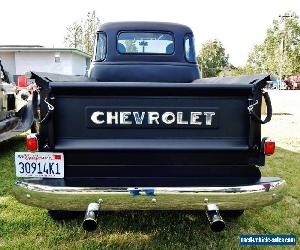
[
  {"x": 269, "y": 146},
  {"x": 32, "y": 143},
  {"x": 22, "y": 81}
]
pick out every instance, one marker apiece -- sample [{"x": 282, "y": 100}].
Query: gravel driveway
[{"x": 284, "y": 127}]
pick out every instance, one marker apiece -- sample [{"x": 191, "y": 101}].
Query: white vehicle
[{"x": 16, "y": 113}]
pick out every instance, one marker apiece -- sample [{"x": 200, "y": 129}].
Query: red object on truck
[{"x": 22, "y": 81}]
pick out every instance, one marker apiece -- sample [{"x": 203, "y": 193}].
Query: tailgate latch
[
  {"x": 250, "y": 107},
  {"x": 50, "y": 106},
  {"x": 50, "y": 110}
]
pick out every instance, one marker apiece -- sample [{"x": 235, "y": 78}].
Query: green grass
[{"x": 24, "y": 227}]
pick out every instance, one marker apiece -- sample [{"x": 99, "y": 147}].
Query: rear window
[
  {"x": 100, "y": 47},
  {"x": 189, "y": 48},
  {"x": 145, "y": 43}
]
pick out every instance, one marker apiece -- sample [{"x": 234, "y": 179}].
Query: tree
[
  {"x": 279, "y": 54},
  {"x": 253, "y": 66},
  {"x": 73, "y": 38},
  {"x": 130, "y": 46},
  {"x": 90, "y": 26},
  {"x": 81, "y": 34},
  {"x": 212, "y": 58}
]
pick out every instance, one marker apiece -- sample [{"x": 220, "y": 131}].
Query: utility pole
[
  {"x": 281, "y": 47},
  {"x": 143, "y": 44}
]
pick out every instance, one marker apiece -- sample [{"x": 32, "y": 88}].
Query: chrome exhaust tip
[
  {"x": 90, "y": 219},
  {"x": 215, "y": 220}
]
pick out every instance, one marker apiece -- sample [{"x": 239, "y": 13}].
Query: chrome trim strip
[{"x": 147, "y": 198}]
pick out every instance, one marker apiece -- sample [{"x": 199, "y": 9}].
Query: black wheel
[
  {"x": 232, "y": 213},
  {"x": 35, "y": 127},
  {"x": 64, "y": 215}
]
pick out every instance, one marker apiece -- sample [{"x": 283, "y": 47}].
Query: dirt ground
[{"x": 284, "y": 127}]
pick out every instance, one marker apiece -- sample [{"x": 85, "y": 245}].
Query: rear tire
[
  {"x": 64, "y": 215},
  {"x": 232, "y": 213},
  {"x": 35, "y": 127}
]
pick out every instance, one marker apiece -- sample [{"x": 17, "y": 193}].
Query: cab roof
[{"x": 115, "y": 27}]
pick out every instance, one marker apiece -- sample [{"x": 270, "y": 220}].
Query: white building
[{"x": 17, "y": 60}]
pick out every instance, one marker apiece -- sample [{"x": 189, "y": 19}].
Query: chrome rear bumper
[{"x": 57, "y": 197}]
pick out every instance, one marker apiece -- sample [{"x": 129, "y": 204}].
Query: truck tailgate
[{"x": 153, "y": 133}]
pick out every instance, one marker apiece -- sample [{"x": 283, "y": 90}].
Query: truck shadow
[
  {"x": 146, "y": 222},
  {"x": 12, "y": 145}
]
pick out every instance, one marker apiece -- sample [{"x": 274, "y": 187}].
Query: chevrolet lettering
[{"x": 102, "y": 118}]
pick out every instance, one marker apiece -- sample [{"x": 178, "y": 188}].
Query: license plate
[{"x": 39, "y": 164}]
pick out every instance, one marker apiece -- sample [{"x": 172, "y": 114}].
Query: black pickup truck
[{"x": 142, "y": 131}]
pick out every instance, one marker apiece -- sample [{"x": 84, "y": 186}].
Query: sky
[{"x": 238, "y": 24}]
